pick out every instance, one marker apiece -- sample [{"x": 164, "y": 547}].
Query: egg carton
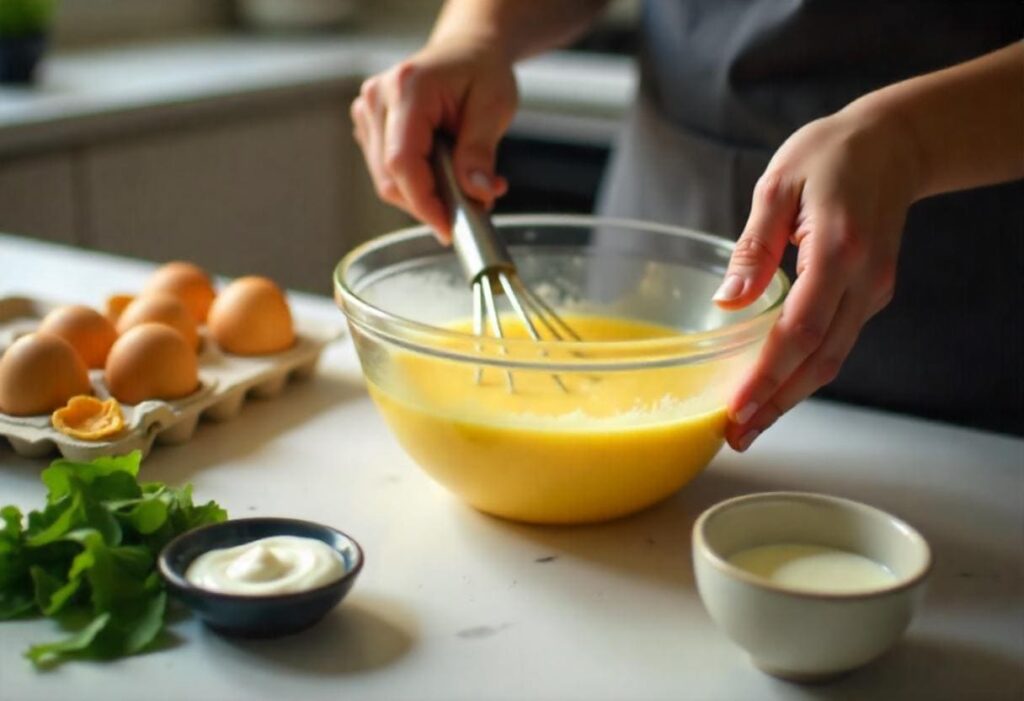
[{"x": 225, "y": 381}]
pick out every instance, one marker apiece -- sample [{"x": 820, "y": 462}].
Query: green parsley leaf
[
  {"x": 149, "y": 515},
  {"x": 51, "y": 652},
  {"x": 90, "y": 555}
]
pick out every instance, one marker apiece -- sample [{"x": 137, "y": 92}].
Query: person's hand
[
  {"x": 838, "y": 189},
  {"x": 465, "y": 87}
]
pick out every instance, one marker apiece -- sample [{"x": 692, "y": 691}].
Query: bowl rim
[
  {"x": 177, "y": 580},
  {"x": 612, "y": 355},
  {"x": 703, "y": 549}
]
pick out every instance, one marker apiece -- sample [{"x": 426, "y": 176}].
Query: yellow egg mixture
[{"x": 610, "y": 445}]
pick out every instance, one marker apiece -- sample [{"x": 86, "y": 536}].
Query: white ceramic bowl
[{"x": 797, "y": 634}]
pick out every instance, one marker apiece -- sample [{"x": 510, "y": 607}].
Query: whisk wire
[
  {"x": 543, "y": 311},
  {"x": 478, "y": 321},
  {"x": 495, "y": 322},
  {"x": 508, "y": 282},
  {"x": 537, "y": 310},
  {"x": 546, "y": 313},
  {"x": 506, "y": 286}
]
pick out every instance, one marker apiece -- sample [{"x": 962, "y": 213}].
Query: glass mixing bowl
[{"x": 640, "y": 415}]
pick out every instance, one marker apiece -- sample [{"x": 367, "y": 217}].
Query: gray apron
[{"x": 724, "y": 82}]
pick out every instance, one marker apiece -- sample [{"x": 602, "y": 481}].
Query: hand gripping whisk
[{"x": 489, "y": 267}]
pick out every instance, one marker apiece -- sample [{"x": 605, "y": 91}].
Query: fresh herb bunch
[
  {"x": 89, "y": 558},
  {"x": 25, "y": 17}
]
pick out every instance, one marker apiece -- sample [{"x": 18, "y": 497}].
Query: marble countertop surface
[{"x": 453, "y": 604}]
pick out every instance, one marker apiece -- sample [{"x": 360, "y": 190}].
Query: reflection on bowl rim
[
  {"x": 596, "y": 356},
  {"x": 180, "y": 580},
  {"x": 720, "y": 563}
]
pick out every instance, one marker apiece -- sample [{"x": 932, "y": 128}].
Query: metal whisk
[{"x": 489, "y": 267}]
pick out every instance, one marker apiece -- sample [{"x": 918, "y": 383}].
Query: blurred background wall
[{"x": 165, "y": 129}]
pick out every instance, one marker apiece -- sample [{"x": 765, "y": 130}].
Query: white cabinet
[
  {"x": 272, "y": 186},
  {"x": 268, "y": 192},
  {"x": 37, "y": 197}
]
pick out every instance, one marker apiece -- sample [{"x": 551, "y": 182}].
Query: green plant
[{"x": 25, "y": 17}]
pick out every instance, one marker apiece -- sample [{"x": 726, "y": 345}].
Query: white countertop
[
  {"x": 81, "y": 91},
  {"x": 453, "y": 604}
]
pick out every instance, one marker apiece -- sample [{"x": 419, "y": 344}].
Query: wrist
[
  {"x": 883, "y": 119},
  {"x": 480, "y": 32},
  {"x": 479, "y": 41}
]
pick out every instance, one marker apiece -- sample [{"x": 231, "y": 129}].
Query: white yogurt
[
  {"x": 814, "y": 568},
  {"x": 277, "y": 565}
]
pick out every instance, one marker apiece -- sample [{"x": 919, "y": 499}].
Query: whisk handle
[{"x": 477, "y": 244}]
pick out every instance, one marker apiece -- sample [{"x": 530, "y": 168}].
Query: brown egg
[
  {"x": 40, "y": 372},
  {"x": 90, "y": 333},
  {"x": 151, "y": 361},
  {"x": 163, "y": 309},
  {"x": 251, "y": 317},
  {"x": 186, "y": 281},
  {"x": 116, "y": 304}
]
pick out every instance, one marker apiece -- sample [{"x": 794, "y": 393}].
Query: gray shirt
[{"x": 724, "y": 82}]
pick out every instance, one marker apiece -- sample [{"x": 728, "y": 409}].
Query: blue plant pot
[{"x": 19, "y": 57}]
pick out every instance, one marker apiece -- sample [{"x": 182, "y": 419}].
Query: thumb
[
  {"x": 759, "y": 249},
  {"x": 476, "y": 146}
]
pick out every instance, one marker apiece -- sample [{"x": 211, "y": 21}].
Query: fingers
[
  {"x": 368, "y": 117},
  {"x": 817, "y": 370},
  {"x": 395, "y": 118},
  {"x": 408, "y": 142},
  {"x": 806, "y": 319},
  {"x": 837, "y": 290},
  {"x": 759, "y": 249},
  {"x": 476, "y": 146},
  {"x": 394, "y": 124}
]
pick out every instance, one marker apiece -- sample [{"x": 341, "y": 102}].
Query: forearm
[
  {"x": 964, "y": 124},
  {"x": 520, "y": 28}
]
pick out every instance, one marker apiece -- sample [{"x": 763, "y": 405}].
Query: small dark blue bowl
[{"x": 257, "y": 616}]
